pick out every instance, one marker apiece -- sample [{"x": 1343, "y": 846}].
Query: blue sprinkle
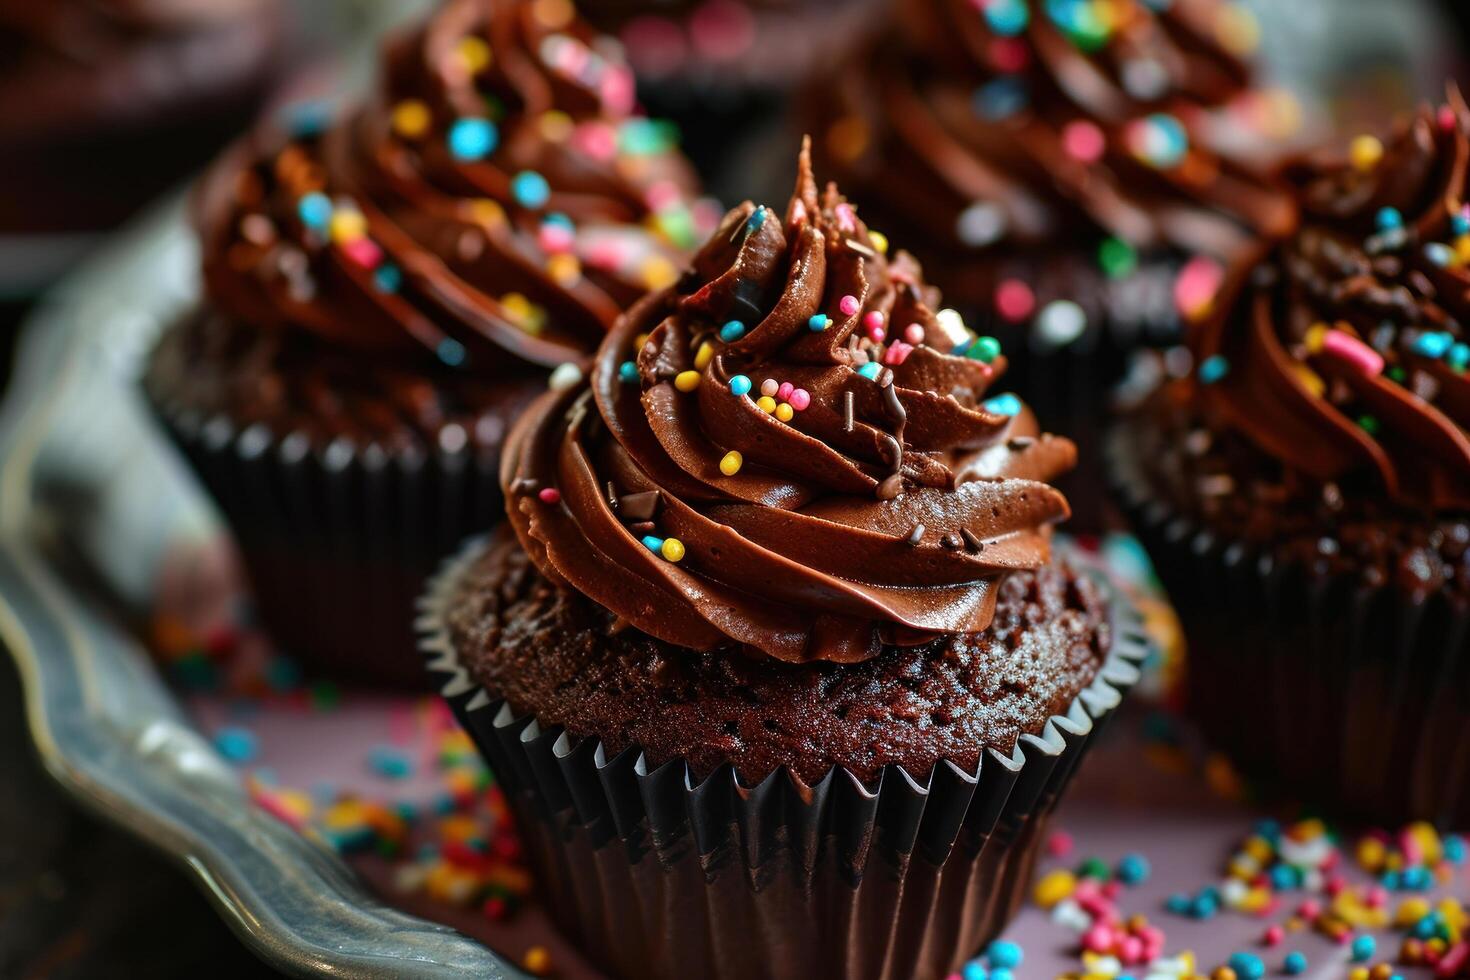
[
  {"x": 653, "y": 542},
  {"x": 1389, "y": 219},
  {"x": 1007, "y": 17},
  {"x": 282, "y": 674},
  {"x": 1247, "y": 966},
  {"x": 1001, "y": 973},
  {"x": 1295, "y": 963},
  {"x": 1439, "y": 253},
  {"x": 388, "y": 278},
  {"x": 1000, "y": 99},
  {"x": 1460, "y": 224},
  {"x": 530, "y": 189},
  {"x": 236, "y": 744},
  {"x": 315, "y": 210},
  {"x": 1006, "y": 955},
  {"x": 1204, "y": 906},
  {"x": 307, "y": 119},
  {"x": 819, "y": 322},
  {"x": 388, "y": 761},
  {"x": 754, "y": 222},
  {"x": 1007, "y": 404},
  {"x": 1433, "y": 344},
  {"x": 1213, "y": 368},
  {"x": 1363, "y": 948},
  {"x": 870, "y": 370},
  {"x": 1285, "y": 877},
  {"x": 628, "y": 373},
  {"x": 973, "y": 970},
  {"x": 1178, "y": 904},
  {"x": 1391, "y": 880},
  {"x": 1269, "y": 829},
  {"x": 1454, "y": 848},
  {"x": 557, "y": 218},
  {"x": 1459, "y": 357},
  {"x": 1133, "y": 869},
  {"x": 450, "y": 351},
  {"x": 739, "y": 385},
  {"x": 1426, "y": 927},
  {"x": 473, "y": 139},
  {"x": 732, "y": 331}
]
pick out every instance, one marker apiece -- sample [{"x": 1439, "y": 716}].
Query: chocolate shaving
[
  {"x": 612, "y": 495},
  {"x": 972, "y": 543},
  {"x": 892, "y": 405},
  {"x": 639, "y": 506},
  {"x": 643, "y": 527}
]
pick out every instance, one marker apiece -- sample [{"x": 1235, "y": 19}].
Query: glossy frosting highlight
[
  {"x": 1343, "y": 353},
  {"x": 789, "y": 450},
  {"x": 1012, "y": 123},
  {"x": 498, "y": 195}
]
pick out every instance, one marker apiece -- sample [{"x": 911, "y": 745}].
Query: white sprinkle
[
  {"x": 953, "y": 326},
  {"x": 1145, "y": 79},
  {"x": 566, "y": 375},
  {"x": 981, "y": 224},
  {"x": 1060, "y": 322}
]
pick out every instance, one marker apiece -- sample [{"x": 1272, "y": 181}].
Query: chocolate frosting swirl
[
  {"x": 1036, "y": 122},
  {"x": 497, "y": 195},
  {"x": 784, "y": 451},
  {"x": 1342, "y": 353}
]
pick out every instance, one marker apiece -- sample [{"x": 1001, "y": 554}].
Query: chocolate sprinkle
[
  {"x": 523, "y": 484},
  {"x": 639, "y": 506},
  {"x": 951, "y": 541},
  {"x": 643, "y": 527},
  {"x": 972, "y": 543},
  {"x": 893, "y": 405},
  {"x": 847, "y": 419}
]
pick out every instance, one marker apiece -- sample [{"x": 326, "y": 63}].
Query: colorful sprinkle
[
  {"x": 653, "y": 543},
  {"x": 530, "y": 189},
  {"x": 1007, "y": 18},
  {"x": 411, "y": 119},
  {"x": 914, "y": 334},
  {"x": 1363, "y": 948},
  {"x": 703, "y": 356},
  {"x": 672, "y": 549},
  {"x": 766, "y": 404},
  {"x": 1213, "y": 368},
  {"x": 315, "y": 210},
  {"x": 1084, "y": 141},
  {"x": 1007, "y": 404},
  {"x": 984, "y": 349},
  {"x": 549, "y": 495},
  {"x": 879, "y": 240},
  {"x": 870, "y": 370},
  {"x": 799, "y": 399},
  {"x": 1349, "y": 348},
  {"x": 236, "y": 744},
  {"x": 687, "y": 381},
  {"x": 1014, "y": 300},
  {"x": 848, "y": 305},
  {"x": 628, "y": 373},
  {"x": 388, "y": 278},
  {"x": 1364, "y": 152},
  {"x": 1061, "y": 322},
  {"x": 1117, "y": 258},
  {"x": 390, "y": 763},
  {"x": 731, "y": 463},
  {"x": 1159, "y": 140},
  {"x": 819, "y": 322},
  {"x": 732, "y": 331},
  {"x": 472, "y": 139},
  {"x": 739, "y": 385}
]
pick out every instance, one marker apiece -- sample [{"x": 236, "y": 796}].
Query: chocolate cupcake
[
  {"x": 1055, "y": 170},
  {"x": 152, "y": 88},
  {"x": 1305, "y": 492},
  {"x": 786, "y": 681},
  {"x": 384, "y": 295}
]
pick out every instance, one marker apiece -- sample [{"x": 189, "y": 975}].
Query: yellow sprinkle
[
  {"x": 1365, "y": 152},
  {"x": 411, "y": 119},
  {"x": 1410, "y": 911},
  {"x": 784, "y": 412},
  {"x": 1260, "y": 849},
  {"x": 879, "y": 240},
  {"x": 673, "y": 549},
  {"x": 687, "y": 381},
  {"x": 554, "y": 14},
  {"x": 658, "y": 272},
  {"x": 487, "y": 212},
  {"x": 1315, "y": 385},
  {"x": 732, "y": 462},
  {"x": 556, "y": 126},
  {"x": 474, "y": 54},
  {"x": 1427, "y": 838},
  {"x": 766, "y": 404},
  {"x": 1237, "y": 29},
  {"x": 1370, "y": 850},
  {"x": 703, "y": 356},
  {"x": 640, "y": 340},
  {"x": 348, "y": 225},
  {"x": 527, "y": 315},
  {"x": 1054, "y": 887},
  {"x": 1358, "y": 973},
  {"x": 1316, "y": 333},
  {"x": 1462, "y": 249},
  {"x": 848, "y": 138},
  {"x": 564, "y": 268}
]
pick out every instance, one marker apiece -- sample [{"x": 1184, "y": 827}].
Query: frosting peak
[
  {"x": 1344, "y": 354},
  {"x": 789, "y": 450},
  {"x": 497, "y": 195}
]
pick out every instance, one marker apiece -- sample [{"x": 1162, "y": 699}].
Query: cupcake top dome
[
  {"x": 498, "y": 195},
  {"x": 1342, "y": 354},
  {"x": 790, "y": 450},
  {"x": 1022, "y": 123}
]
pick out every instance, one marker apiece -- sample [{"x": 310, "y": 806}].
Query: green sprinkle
[
  {"x": 1368, "y": 424},
  {"x": 1117, "y": 258}
]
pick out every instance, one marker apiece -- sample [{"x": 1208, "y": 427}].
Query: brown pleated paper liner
[
  {"x": 337, "y": 541},
  {"x": 656, "y": 874},
  {"x": 1318, "y": 687}
]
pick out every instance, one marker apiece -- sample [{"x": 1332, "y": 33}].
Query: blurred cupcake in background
[
  {"x": 1073, "y": 174},
  {"x": 386, "y": 292},
  {"x": 724, "y": 69},
  {"x": 1305, "y": 491},
  {"x": 106, "y": 103}
]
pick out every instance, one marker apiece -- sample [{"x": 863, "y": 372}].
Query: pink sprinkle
[
  {"x": 897, "y": 353},
  {"x": 364, "y": 251},
  {"x": 1112, "y": 889},
  {"x": 1454, "y": 958},
  {"x": 798, "y": 212},
  {"x": 1344, "y": 937},
  {"x": 662, "y": 194},
  {"x": 874, "y": 321},
  {"x": 1060, "y": 842},
  {"x": 1309, "y": 909},
  {"x": 554, "y": 238},
  {"x": 913, "y": 333},
  {"x": 846, "y": 218},
  {"x": 1447, "y": 119},
  {"x": 1273, "y": 936},
  {"x": 1348, "y": 348},
  {"x": 1098, "y": 939},
  {"x": 1196, "y": 286},
  {"x": 800, "y": 399},
  {"x": 1014, "y": 300},
  {"x": 1084, "y": 141},
  {"x": 1269, "y": 909},
  {"x": 1009, "y": 55},
  {"x": 848, "y": 305},
  {"x": 1376, "y": 897},
  {"x": 1334, "y": 885},
  {"x": 550, "y": 495},
  {"x": 618, "y": 91},
  {"x": 1131, "y": 949},
  {"x": 605, "y": 255},
  {"x": 596, "y": 139},
  {"x": 784, "y": 391}
]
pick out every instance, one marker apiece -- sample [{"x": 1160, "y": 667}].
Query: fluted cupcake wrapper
[
  {"x": 1316, "y": 685},
  {"x": 337, "y": 541},
  {"x": 657, "y": 874}
]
